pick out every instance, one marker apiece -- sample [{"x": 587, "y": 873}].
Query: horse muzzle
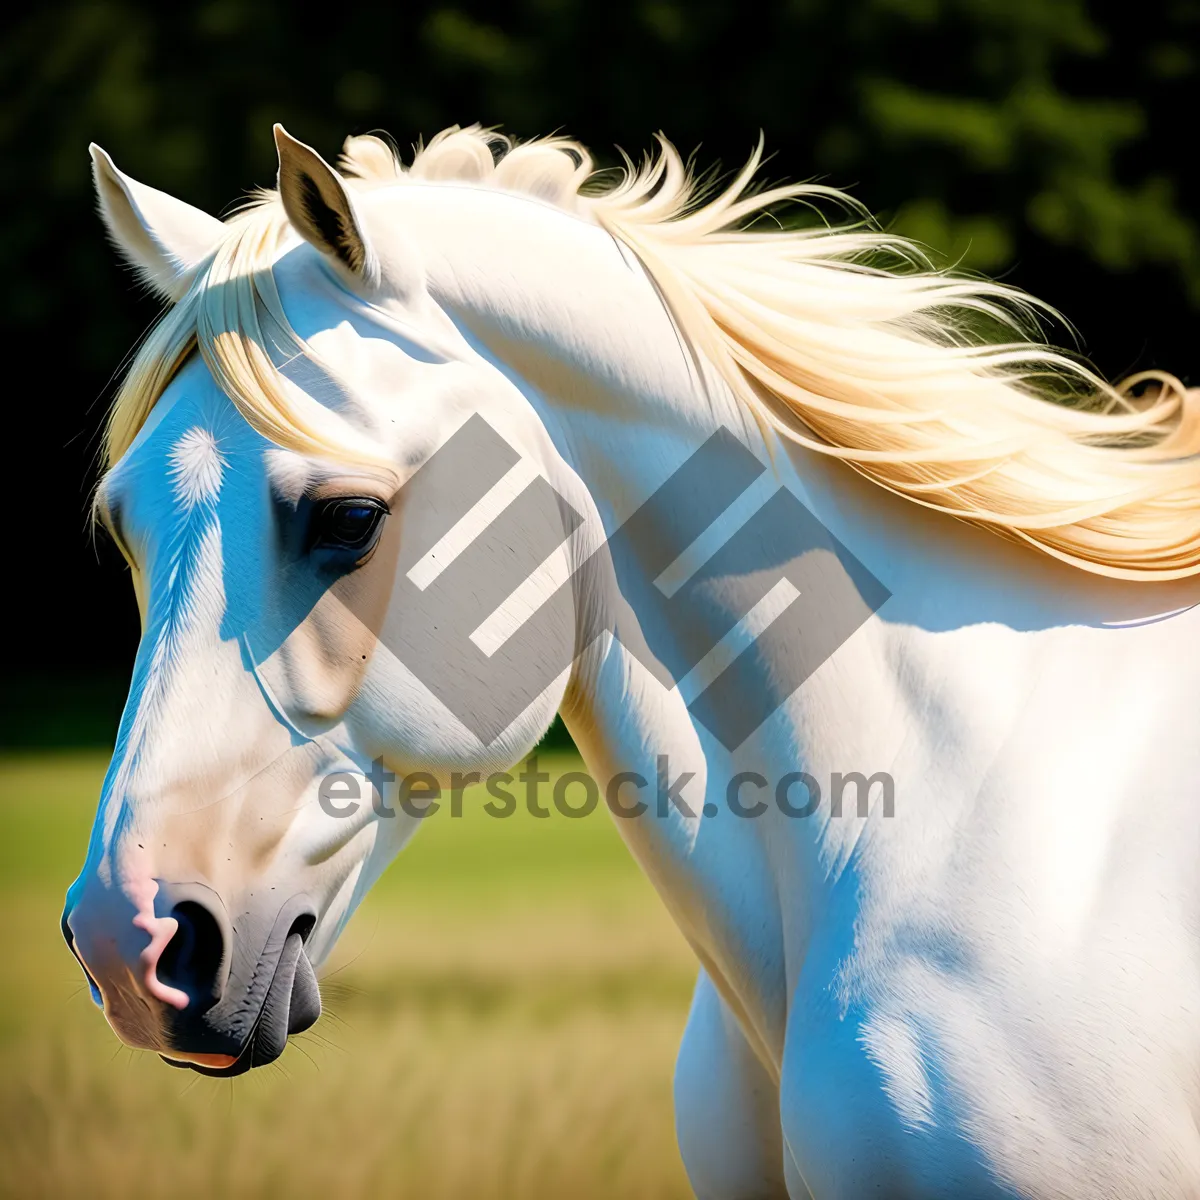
[{"x": 217, "y": 995}]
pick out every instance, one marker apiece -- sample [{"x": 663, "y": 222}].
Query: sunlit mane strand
[{"x": 843, "y": 338}]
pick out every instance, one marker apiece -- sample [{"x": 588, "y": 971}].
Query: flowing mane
[{"x": 844, "y": 339}]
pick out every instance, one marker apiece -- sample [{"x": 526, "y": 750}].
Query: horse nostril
[
  {"x": 191, "y": 961},
  {"x": 305, "y": 1003},
  {"x": 303, "y": 925}
]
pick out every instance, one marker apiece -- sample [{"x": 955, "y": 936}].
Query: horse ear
[
  {"x": 163, "y": 238},
  {"x": 321, "y": 209}
]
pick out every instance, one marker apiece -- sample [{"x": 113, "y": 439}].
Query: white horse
[{"x": 983, "y": 982}]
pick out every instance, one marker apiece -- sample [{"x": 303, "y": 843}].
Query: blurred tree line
[{"x": 1047, "y": 141}]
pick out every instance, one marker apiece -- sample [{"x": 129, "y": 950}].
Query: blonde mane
[{"x": 845, "y": 339}]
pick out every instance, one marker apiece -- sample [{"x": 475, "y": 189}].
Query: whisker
[{"x": 306, "y": 1054}]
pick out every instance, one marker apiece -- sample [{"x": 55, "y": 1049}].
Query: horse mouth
[
  {"x": 207, "y": 1064},
  {"x": 292, "y": 1004}
]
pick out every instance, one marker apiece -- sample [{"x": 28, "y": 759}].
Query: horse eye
[{"x": 347, "y": 524}]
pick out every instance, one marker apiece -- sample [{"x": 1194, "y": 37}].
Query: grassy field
[{"x": 501, "y": 1021}]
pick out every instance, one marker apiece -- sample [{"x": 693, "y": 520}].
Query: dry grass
[{"x": 504, "y": 1024}]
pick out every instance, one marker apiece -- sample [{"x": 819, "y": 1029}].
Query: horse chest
[{"x": 924, "y": 1057}]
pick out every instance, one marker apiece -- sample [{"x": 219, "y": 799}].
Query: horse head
[{"x": 283, "y": 512}]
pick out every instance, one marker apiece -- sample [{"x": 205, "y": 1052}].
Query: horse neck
[
  {"x": 586, "y": 338},
  {"x": 625, "y": 405}
]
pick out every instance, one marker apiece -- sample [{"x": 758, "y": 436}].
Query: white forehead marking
[{"x": 196, "y": 467}]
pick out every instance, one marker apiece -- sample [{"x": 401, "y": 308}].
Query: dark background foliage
[{"x": 1050, "y": 142}]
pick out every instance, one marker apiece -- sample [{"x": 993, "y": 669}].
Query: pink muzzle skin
[{"x": 161, "y": 931}]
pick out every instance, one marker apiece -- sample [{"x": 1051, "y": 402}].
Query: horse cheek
[{"x": 328, "y": 653}]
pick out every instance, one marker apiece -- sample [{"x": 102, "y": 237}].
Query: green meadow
[{"x": 501, "y": 1019}]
